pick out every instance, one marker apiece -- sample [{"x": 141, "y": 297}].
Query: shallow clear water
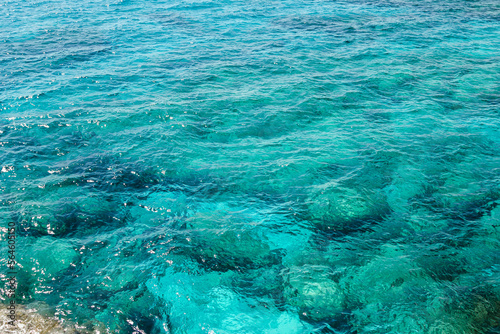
[{"x": 264, "y": 167}]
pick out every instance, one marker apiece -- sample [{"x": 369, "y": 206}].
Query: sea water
[{"x": 251, "y": 166}]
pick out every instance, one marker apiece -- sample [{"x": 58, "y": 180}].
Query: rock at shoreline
[{"x": 28, "y": 321}]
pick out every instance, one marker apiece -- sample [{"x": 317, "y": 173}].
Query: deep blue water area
[{"x": 263, "y": 166}]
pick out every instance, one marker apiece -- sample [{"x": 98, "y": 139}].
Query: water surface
[{"x": 267, "y": 167}]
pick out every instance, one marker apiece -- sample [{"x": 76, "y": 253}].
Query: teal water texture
[{"x": 253, "y": 166}]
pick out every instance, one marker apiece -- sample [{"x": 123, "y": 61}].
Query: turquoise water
[{"x": 267, "y": 167}]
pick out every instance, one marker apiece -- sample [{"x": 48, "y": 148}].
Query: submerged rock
[
  {"x": 52, "y": 255},
  {"x": 382, "y": 318},
  {"x": 407, "y": 182},
  {"x": 42, "y": 263},
  {"x": 158, "y": 207},
  {"x": 490, "y": 225},
  {"x": 313, "y": 291},
  {"x": 466, "y": 192},
  {"x": 231, "y": 250},
  {"x": 429, "y": 308},
  {"x": 422, "y": 220},
  {"x": 65, "y": 210},
  {"x": 345, "y": 209},
  {"x": 222, "y": 242},
  {"x": 261, "y": 283},
  {"x": 383, "y": 279},
  {"x": 130, "y": 311},
  {"x": 205, "y": 303},
  {"x": 469, "y": 306},
  {"x": 40, "y": 219}
]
